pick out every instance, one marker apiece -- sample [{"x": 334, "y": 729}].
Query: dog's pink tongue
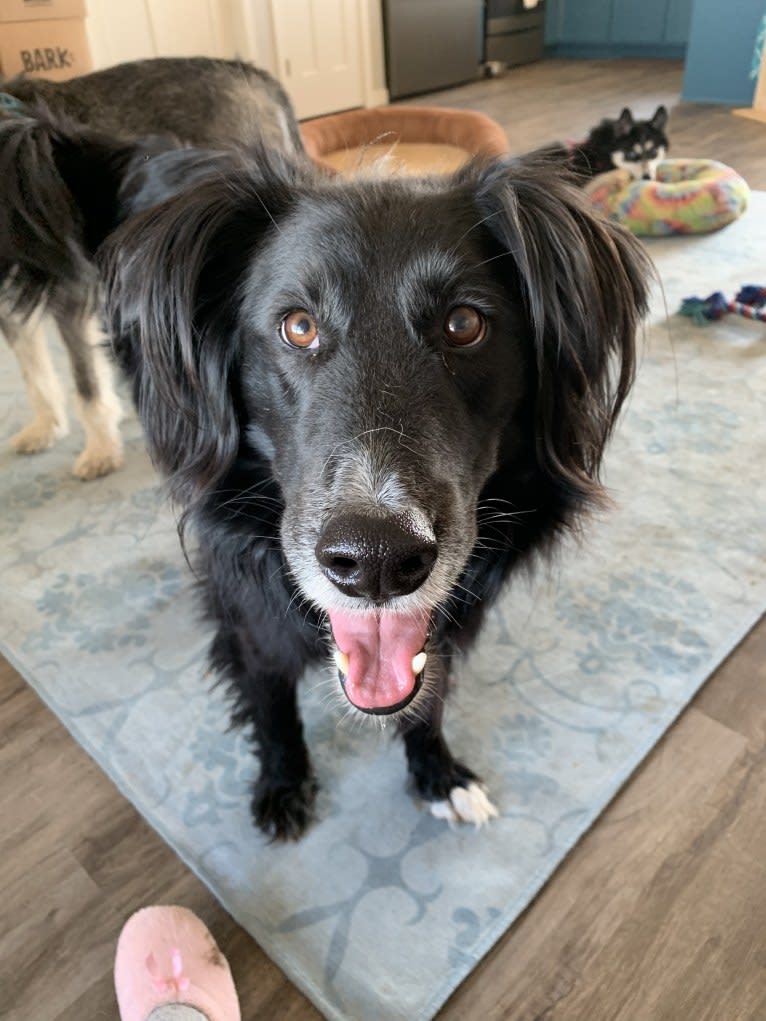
[{"x": 380, "y": 648}]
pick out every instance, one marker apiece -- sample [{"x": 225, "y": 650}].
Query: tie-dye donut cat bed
[{"x": 687, "y": 197}]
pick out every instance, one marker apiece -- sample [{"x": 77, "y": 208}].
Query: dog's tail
[
  {"x": 41, "y": 235},
  {"x": 53, "y": 215}
]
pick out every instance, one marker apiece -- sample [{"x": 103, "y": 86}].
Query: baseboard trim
[{"x": 607, "y": 51}]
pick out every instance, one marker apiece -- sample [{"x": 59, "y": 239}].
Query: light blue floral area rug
[{"x": 382, "y": 910}]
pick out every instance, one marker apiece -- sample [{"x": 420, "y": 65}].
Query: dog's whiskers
[
  {"x": 388, "y": 428},
  {"x": 267, "y": 211},
  {"x": 299, "y": 600},
  {"x": 442, "y": 608},
  {"x": 473, "y": 227},
  {"x": 501, "y": 255}
]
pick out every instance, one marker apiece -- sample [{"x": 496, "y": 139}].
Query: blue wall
[{"x": 720, "y": 51}]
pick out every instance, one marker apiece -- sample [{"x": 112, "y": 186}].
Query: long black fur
[
  {"x": 246, "y": 431},
  {"x": 497, "y": 447},
  {"x": 48, "y": 207},
  {"x": 55, "y": 211}
]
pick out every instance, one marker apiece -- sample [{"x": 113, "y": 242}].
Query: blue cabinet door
[
  {"x": 622, "y": 25},
  {"x": 678, "y": 21},
  {"x": 638, "y": 21},
  {"x": 586, "y": 21}
]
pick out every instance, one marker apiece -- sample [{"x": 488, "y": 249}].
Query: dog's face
[
  {"x": 384, "y": 360},
  {"x": 640, "y": 146},
  {"x": 380, "y": 349}
]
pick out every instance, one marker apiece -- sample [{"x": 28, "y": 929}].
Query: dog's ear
[
  {"x": 584, "y": 283},
  {"x": 172, "y": 277},
  {"x": 660, "y": 119},
  {"x": 624, "y": 122},
  {"x": 94, "y": 167}
]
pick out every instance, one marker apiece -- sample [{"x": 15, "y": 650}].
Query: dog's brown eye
[
  {"x": 299, "y": 329},
  {"x": 465, "y": 326}
]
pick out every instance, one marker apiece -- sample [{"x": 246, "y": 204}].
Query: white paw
[
  {"x": 37, "y": 436},
  {"x": 98, "y": 460},
  {"x": 465, "y": 804}
]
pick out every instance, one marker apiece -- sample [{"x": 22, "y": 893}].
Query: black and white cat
[{"x": 623, "y": 144}]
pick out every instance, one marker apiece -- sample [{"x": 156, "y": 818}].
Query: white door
[
  {"x": 318, "y": 47},
  {"x": 138, "y": 29},
  {"x": 185, "y": 28}
]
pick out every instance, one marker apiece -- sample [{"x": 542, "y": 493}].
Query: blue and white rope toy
[{"x": 750, "y": 302}]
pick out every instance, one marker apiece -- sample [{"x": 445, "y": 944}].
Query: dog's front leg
[
  {"x": 451, "y": 790},
  {"x": 284, "y": 793},
  {"x": 265, "y": 698}
]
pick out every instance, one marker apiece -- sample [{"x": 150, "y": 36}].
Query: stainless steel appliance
[
  {"x": 432, "y": 44},
  {"x": 514, "y": 32}
]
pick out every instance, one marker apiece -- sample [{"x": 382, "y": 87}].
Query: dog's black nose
[{"x": 375, "y": 558}]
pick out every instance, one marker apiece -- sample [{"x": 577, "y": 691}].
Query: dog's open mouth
[{"x": 380, "y": 657}]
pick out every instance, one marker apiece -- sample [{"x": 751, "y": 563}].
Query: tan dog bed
[{"x": 402, "y": 139}]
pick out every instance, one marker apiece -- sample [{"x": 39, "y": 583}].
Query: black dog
[
  {"x": 43, "y": 263},
  {"x": 375, "y": 400}
]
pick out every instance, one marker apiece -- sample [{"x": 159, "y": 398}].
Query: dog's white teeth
[
  {"x": 419, "y": 663},
  {"x": 341, "y": 661}
]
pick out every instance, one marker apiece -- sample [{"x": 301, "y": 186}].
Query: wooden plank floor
[
  {"x": 659, "y": 914},
  {"x": 560, "y": 100}
]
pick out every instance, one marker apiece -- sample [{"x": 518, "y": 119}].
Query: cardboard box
[
  {"x": 45, "y": 49},
  {"x": 41, "y": 10}
]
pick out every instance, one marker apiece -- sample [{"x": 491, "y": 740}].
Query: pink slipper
[{"x": 166, "y": 955}]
